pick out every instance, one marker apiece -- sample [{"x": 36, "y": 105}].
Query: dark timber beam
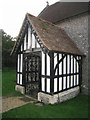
[
  {"x": 19, "y": 66},
  {"x": 70, "y": 72},
  {"x": 80, "y": 73},
  {"x": 66, "y": 70},
  {"x": 59, "y": 63},
  {"x": 52, "y": 72},
  {"x": 27, "y": 37},
  {"x": 73, "y": 71},
  {"x": 16, "y": 66},
  {"x": 23, "y": 75},
  {"x": 58, "y": 73},
  {"x": 62, "y": 71},
  {"x": 45, "y": 71}
]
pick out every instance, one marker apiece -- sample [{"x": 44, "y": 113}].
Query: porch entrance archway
[{"x": 32, "y": 76}]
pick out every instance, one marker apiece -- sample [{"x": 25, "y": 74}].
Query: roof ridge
[
  {"x": 47, "y": 8},
  {"x": 54, "y": 3},
  {"x": 43, "y": 10}
]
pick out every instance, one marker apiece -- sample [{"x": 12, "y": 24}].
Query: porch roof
[{"x": 53, "y": 37}]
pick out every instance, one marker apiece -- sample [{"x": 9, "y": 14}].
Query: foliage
[
  {"x": 7, "y": 45},
  {"x": 9, "y": 82},
  {"x": 74, "y": 108}
]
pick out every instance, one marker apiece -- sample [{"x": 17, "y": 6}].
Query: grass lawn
[
  {"x": 75, "y": 108},
  {"x": 8, "y": 82}
]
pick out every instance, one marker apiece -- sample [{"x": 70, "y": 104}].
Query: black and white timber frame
[{"x": 58, "y": 71}]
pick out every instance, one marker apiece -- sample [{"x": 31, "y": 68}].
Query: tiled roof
[
  {"x": 62, "y": 10},
  {"x": 53, "y": 37}
]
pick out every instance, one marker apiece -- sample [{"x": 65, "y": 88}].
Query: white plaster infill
[{"x": 60, "y": 97}]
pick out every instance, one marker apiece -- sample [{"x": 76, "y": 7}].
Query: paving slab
[{"x": 11, "y": 102}]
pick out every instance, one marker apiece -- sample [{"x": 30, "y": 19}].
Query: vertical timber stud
[
  {"x": 66, "y": 71},
  {"x": 40, "y": 74},
  {"x": 52, "y": 72},
  {"x": 76, "y": 72},
  {"x": 62, "y": 72},
  {"x": 31, "y": 37},
  {"x": 27, "y": 69},
  {"x": 16, "y": 67},
  {"x": 45, "y": 72},
  {"x": 35, "y": 68},
  {"x": 24, "y": 72},
  {"x": 58, "y": 73},
  {"x": 23, "y": 45},
  {"x": 80, "y": 72},
  {"x": 23, "y": 75},
  {"x": 73, "y": 70},
  {"x": 35, "y": 43},
  {"x": 27, "y": 37},
  {"x": 19, "y": 66},
  {"x": 70, "y": 72}
]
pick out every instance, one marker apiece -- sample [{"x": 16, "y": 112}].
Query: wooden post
[
  {"x": 40, "y": 87},
  {"x": 51, "y": 72},
  {"x": 58, "y": 73},
  {"x": 73, "y": 70},
  {"x": 70, "y": 72},
  {"x": 62, "y": 72},
  {"x": 23, "y": 76},
  {"x": 16, "y": 66},
  {"x": 80, "y": 73},
  {"x": 45, "y": 72},
  {"x": 66, "y": 71}
]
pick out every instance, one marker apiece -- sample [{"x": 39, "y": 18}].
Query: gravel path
[{"x": 11, "y": 102}]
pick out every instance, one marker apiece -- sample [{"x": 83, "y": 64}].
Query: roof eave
[{"x": 56, "y": 22}]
